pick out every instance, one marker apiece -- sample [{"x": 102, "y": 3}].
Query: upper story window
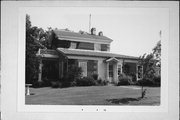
[
  {"x": 73, "y": 45},
  {"x": 85, "y": 46},
  {"x": 105, "y": 47}
]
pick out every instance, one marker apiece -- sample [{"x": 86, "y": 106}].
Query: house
[{"x": 90, "y": 51}]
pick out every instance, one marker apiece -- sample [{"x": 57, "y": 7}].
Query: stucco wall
[{"x": 102, "y": 69}]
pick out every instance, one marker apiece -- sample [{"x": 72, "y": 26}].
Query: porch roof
[
  {"x": 94, "y": 53},
  {"x": 112, "y": 59}
]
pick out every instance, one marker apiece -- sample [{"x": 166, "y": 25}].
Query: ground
[{"x": 94, "y": 95}]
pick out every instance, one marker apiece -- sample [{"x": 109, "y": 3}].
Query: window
[
  {"x": 92, "y": 67},
  {"x": 83, "y": 65},
  {"x": 119, "y": 70},
  {"x": 86, "y": 46},
  {"x": 105, "y": 47}
]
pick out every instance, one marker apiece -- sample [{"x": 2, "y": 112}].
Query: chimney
[
  {"x": 100, "y": 33},
  {"x": 93, "y": 31}
]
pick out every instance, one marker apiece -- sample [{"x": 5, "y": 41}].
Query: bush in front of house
[
  {"x": 44, "y": 83},
  {"x": 101, "y": 82},
  {"x": 124, "y": 80},
  {"x": 86, "y": 81},
  {"x": 146, "y": 82},
  {"x": 95, "y": 76},
  {"x": 133, "y": 75},
  {"x": 157, "y": 80},
  {"x": 56, "y": 84}
]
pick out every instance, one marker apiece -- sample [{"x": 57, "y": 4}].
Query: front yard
[{"x": 94, "y": 95}]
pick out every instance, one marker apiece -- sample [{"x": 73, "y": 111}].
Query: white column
[
  {"x": 107, "y": 74},
  {"x": 137, "y": 72},
  {"x": 40, "y": 72},
  {"x": 115, "y": 75}
]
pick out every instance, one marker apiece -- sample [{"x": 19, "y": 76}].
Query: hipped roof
[
  {"x": 86, "y": 37},
  {"x": 104, "y": 54}
]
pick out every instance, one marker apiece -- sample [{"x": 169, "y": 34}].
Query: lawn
[{"x": 94, "y": 95}]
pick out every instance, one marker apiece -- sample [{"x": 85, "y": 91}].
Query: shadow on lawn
[{"x": 123, "y": 100}]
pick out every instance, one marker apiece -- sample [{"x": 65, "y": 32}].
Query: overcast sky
[{"x": 134, "y": 31}]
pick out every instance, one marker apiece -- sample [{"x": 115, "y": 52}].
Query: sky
[{"x": 134, "y": 31}]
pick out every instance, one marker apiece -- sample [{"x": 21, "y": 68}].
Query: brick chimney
[
  {"x": 100, "y": 33},
  {"x": 93, "y": 31}
]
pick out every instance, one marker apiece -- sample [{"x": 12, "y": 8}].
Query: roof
[
  {"x": 82, "y": 37},
  {"x": 94, "y": 53}
]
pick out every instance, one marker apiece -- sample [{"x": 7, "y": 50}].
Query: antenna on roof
[
  {"x": 160, "y": 33},
  {"x": 90, "y": 23}
]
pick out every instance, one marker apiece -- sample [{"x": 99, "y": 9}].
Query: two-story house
[{"x": 90, "y": 51}]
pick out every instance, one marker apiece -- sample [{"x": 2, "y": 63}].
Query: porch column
[
  {"x": 107, "y": 71},
  {"x": 62, "y": 69},
  {"x": 40, "y": 72},
  {"x": 137, "y": 72},
  {"x": 115, "y": 69}
]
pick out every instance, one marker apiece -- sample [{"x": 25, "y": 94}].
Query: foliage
[
  {"x": 124, "y": 80},
  {"x": 56, "y": 84},
  {"x": 157, "y": 53},
  {"x": 133, "y": 75},
  {"x": 149, "y": 65},
  {"x": 157, "y": 80},
  {"x": 101, "y": 82},
  {"x": 146, "y": 82},
  {"x": 126, "y": 68},
  {"x": 35, "y": 38},
  {"x": 74, "y": 72},
  {"x": 86, "y": 81},
  {"x": 32, "y": 61},
  {"x": 95, "y": 76}
]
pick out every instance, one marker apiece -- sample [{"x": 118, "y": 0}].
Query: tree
[
  {"x": 157, "y": 53},
  {"x": 32, "y": 47},
  {"x": 149, "y": 63}
]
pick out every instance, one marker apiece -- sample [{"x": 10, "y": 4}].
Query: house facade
[{"x": 90, "y": 51}]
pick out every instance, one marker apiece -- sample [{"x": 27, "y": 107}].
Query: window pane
[{"x": 86, "y": 46}]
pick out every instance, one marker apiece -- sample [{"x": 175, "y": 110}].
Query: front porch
[{"x": 107, "y": 68}]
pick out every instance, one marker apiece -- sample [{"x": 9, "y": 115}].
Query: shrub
[
  {"x": 101, "y": 82},
  {"x": 86, "y": 81},
  {"x": 56, "y": 84},
  {"x": 133, "y": 75},
  {"x": 37, "y": 84},
  {"x": 124, "y": 80},
  {"x": 146, "y": 82},
  {"x": 65, "y": 82},
  {"x": 74, "y": 72},
  {"x": 95, "y": 76},
  {"x": 46, "y": 82},
  {"x": 157, "y": 80}
]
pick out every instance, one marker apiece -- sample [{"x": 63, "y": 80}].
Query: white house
[{"x": 90, "y": 51}]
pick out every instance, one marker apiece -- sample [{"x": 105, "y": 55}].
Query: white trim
[
  {"x": 113, "y": 58},
  {"x": 102, "y": 41}
]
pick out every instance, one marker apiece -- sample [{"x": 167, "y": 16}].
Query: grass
[{"x": 94, "y": 95}]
